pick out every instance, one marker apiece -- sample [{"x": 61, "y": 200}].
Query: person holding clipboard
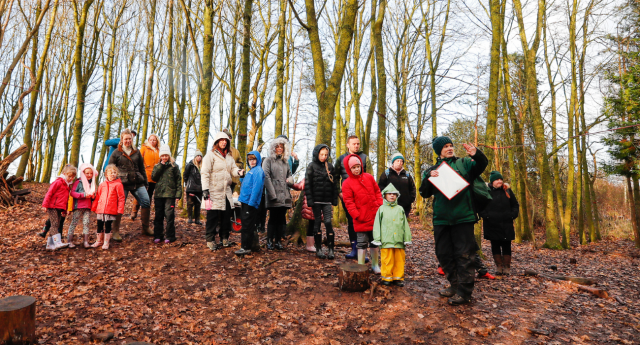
[{"x": 448, "y": 181}]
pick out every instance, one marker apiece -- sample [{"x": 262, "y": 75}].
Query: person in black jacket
[
  {"x": 193, "y": 186},
  {"x": 402, "y": 180},
  {"x": 321, "y": 195},
  {"x": 497, "y": 222}
]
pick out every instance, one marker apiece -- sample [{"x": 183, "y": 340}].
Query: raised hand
[{"x": 471, "y": 150}]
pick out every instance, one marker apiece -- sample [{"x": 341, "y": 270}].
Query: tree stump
[
  {"x": 353, "y": 277},
  {"x": 18, "y": 320}
]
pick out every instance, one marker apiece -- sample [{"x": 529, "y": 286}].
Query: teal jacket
[{"x": 391, "y": 228}]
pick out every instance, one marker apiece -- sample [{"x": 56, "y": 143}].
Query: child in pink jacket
[
  {"x": 83, "y": 192},
  {"x": 56, "y": 202},
  {"x": 108, "y": 203}
]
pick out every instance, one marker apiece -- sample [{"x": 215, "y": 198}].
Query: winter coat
[
  {"x": 361, "y": 196},
  {"x": 293, "y": 164},
  {"x": 109, "y": 198},
  {"x": 169, "y": 179},
  {"x": 236, "y": 157},
  {"x": 391, "y": 228},
  {"x": 58, "y": 195},
  {"x": 112, "y": 144},
  {"x": 307, "y": 212},
  {"x": 340, "y": 170},
  {"x": 403, "y": 181},
  {"x": 191, "y": 177},
  {"x": 151, "y": 157},
  {"x": 460, "y": 208},
  {"x": 253, "y": 184},
  {"x": 132, "y": 172},
  {"x": 216, "y": 175},
  {"x": 319, "y": 186},
  {"x": 499, "y": 214},
  {"x": 80, "y": 199},
  {"x": 277, "y": 175}
]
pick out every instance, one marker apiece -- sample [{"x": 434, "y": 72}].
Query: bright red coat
[
  {"x": 361, "y": 196},
  {"x": 110, "y": 198},
  {"x": 58, "y": 195}
]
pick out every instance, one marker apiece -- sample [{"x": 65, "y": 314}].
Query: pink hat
[{"x": 354, "y": 160}]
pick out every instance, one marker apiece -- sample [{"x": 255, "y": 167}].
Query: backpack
[{"x": 480, "y": 193}]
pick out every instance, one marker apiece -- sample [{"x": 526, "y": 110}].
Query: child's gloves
[{"x": 205, "y": 194}]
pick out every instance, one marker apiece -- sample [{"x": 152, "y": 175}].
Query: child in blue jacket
[{"x": 250, "y": 196}]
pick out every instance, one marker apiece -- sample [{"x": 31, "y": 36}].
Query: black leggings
[
  {"x": 501, "y": 247},
  {"x": 104, "y": 226},
  {"x": 277, "y": 222}
]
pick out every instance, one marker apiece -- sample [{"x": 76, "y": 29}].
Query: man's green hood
[{"x": 390, "y": 189}]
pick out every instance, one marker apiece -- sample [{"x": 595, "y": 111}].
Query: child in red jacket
[
  {"x": 108, "y": 204},
  {"x": 362, "y": 197},
  {"x": 83, "y": 192},
  {"x": 56, "y": 202}
]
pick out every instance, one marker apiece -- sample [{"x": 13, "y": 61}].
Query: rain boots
[
  {"x": 318, "y": 245},
  {"x": 361, "y": 255},
  {"x": 105, "y": 245},
  {"x": 145, "y": 214},
  {"x": 311, "y": 244},
  {"x": 354, "y": 251},
  {"x": 375, "y": 260},
  {"x": 498, "y": 259},
  {"x": 57, "y": 242},
  {"x": 115, "y": 229},
  {"x": 134, "y": 212},
  {"x": 70, "y": 241},
  {"x": 506, "y": 265},
  {"x": 86, "y": 241},
  {"x": 99, "y": 240}
]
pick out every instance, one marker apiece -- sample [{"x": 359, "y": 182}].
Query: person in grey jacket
[{"x": 277, "y": 182}]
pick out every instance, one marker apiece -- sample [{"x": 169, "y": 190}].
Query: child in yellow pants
[{"x": 391, "y": 233}]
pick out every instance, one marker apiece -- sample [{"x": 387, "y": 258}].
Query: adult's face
[
  {"x": 198, "y": 159},
  {"x": 397, "y": 165},
  {"x": 222, "y": 144},
  {"x": 354, "y": 145},
  {"x": 447, "y": 151},
  {"x": 279, "y": 149},
  {"x": 153, "y": 141},
  {"x": 498, "y": 183},
  {"x": 127, "y": 140}
]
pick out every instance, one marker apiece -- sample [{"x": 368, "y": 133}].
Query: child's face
[
  {"x": 70, "y": 176},
  {"x": 356, "y": 169},
  {"x": 253, "y": 161},
  {"x": 391, "y": 197},
  {"x": 164, "y": 158},
  {"x": 88, "y": 173},
  {"x": 112, "y": 175},
  {"x": 324, "y": 154}
]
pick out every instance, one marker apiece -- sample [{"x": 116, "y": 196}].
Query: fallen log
[
  {"x": 18, "y": 320},
  {"x": 597, "y": 292},
  {"x": 577, "y": 280},
  {"x": 353, "y": 277}
]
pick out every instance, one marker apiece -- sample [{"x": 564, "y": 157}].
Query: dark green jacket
[
  {"x": 169, "y": 179},
  {"x": 459, "y": 209}
]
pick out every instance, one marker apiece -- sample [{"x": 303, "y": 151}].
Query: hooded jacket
[
  {"x": 132, "y": 171},
  {"x": 499, "y": 214},
  {"x": 460, "y": 208},
  {"x": 109, "y": 198},
  {"x": 319, "y": 186},
  {"x": 403, "y": 181},
  {"x": 277, "y": 175},
  {"x": 391, "y": 228},
  {"x": 361, "y": 196},
  {"x": 217, "y": 173},
  {"x": 341, "y": 170},
  {"x": 150, "y": 157},
  {"x": 169, "y": 179},
  {"x": 80, "y": 199},
  {"x": 191, "y": 178},
  {"x": 253, "y": 183},
  {"x": 58, "y": 194}
]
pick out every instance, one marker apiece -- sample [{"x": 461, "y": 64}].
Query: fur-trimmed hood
[{"x": 287, "y": 149}]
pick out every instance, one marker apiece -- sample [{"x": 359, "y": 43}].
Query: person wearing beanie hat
[
  {"x": 193, "y": 186},
  {"x": 150, "y": 152},
  {"x": 454, "y": 219},
  {"x": 341, "y": 175},
  {"x": 362, "y": 197},
  {"x": 168, "y": 192},
  {"x": 497, "y": 223},
  {"x": 402, "y": 180}
]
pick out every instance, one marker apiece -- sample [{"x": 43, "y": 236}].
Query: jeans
[
  {"x": 456, "y": 251},
  {"x": 141, "y": 196},
  {"x": 165, "y": 208}
]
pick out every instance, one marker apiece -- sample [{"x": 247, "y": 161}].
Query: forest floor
[{"x": 183, "y": 293}]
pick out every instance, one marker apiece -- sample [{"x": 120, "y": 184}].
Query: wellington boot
[
  {"x": 319, "y": 253},
  {"x": 70, "y": 241},
  {"x": 499, "y": 263},
  {"x": 115, "y": 229},
  {"x": 375, "y": 260},
  {"x": 331, "y": 255},
  {"x": 145, "y": 214},
  {"x": 86, "y": 241},
  {"x": 361, "y": 255},
  {"x": 105, "y": 245},
  {"x": 354, "y": 251},
  {"x": 311, "y": 244},
  {"x": 99, "y": 240},
  {"x": 134, "y": 212},
  {"x": 58, "y": 242},
  {"x": 506, "y": 265}
]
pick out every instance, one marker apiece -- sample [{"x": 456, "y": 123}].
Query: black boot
[
  {"x": 269, "y": 244},
  {"x": 330, "y": 254},
  {"x": 458, "y": 300},
  {"x": 319, "y": 253},
  {"x": 330, "y": 242},
  {"x": 448, "y": 292},
  {"x": 278, "y": 245}
]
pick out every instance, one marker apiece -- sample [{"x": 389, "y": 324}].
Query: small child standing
[
  {"x": 361, "y": 196},
  {"x": 83, "y": 192},
  {"x": 56, "y": 202},
  {"x": 392, "y": 233},
  {"x": 250, "y": 197},
  {"x": 108, "y": 203},
  {"x": 168, "y": 191}
]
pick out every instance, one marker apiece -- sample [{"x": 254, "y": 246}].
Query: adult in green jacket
[{"x": 453, "y": 219}]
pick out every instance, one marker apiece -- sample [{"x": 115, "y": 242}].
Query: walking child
[
  {"x": 361, "y": 196},
  {"x": 392, "y": 233},
  {"x": 83, "y": 192},
  {"x": 168, "y": 192},
  {"x": 108, "y": 205},
  {"x": 250, "y": 197},
  {"x": 321, "y": 194},
  {"x": 56, "y": 202}
]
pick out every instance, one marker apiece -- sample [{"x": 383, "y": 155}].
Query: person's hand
[
  {"x": 191, "y": 194},
  {"x": 471, "y": 150},
  {"x": 294, "y": 155},
  {"x": 44, "y": 209},
  {"x": 205, "y": 194},
  {"x": 340, "y": 195},
  {"x": 241, "y": 173},
  {"x": 64, "y": 214},
  {"x": 435, "y": 173}
]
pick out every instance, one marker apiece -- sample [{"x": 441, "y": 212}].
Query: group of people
[{"x": 377, "y": 212}]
